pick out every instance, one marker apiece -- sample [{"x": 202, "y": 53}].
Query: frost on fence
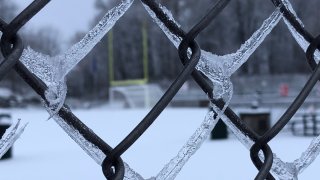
[
  {"x": 171, "y": 170},
  {"x": 219, "y": 68},
  {"x": 52, "y": 70},
  {"x": 10, "y": 136},
  {"x": 304, "y": 44},
  {"x": 279, "y": 168}
]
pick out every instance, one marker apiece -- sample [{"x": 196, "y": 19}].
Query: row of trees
[{"x": 225, "y": 35}]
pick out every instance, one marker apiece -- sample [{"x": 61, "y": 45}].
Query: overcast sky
[{"x": 67, "y": 16}]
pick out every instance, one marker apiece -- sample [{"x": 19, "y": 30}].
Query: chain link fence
[{"x": 211, "y": 74}]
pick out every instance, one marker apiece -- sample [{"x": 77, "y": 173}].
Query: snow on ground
[{"x": 45, "y": 152}]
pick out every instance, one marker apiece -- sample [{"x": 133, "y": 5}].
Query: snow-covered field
[{"x": 45, "y": 152}]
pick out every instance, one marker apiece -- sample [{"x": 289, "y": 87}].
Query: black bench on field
[{"x": 305, "y": 124}]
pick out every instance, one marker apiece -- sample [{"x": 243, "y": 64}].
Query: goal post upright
[
  {"x": 145, "y": 65},
  {"x": 145, "y": 61}
]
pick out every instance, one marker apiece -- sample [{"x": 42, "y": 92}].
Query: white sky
[{"x": 67, "y": 16}]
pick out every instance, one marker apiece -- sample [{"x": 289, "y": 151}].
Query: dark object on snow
[
  {"x": 219, "y": 131},
  {"x": 257, "y": 121},
  {"x": 306, "y": 124},
  {"x": 5, "y": 123}
]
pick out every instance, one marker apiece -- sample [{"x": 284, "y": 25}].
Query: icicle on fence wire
[{"x": 46, "y": 75}]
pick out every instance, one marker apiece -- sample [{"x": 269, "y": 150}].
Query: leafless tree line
[{"x": 225, "y": 35}]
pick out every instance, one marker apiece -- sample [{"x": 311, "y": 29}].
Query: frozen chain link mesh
[{"x": 46, "y": 75}]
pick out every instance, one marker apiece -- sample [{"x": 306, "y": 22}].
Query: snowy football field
[{"x": 45, "y": 151}]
